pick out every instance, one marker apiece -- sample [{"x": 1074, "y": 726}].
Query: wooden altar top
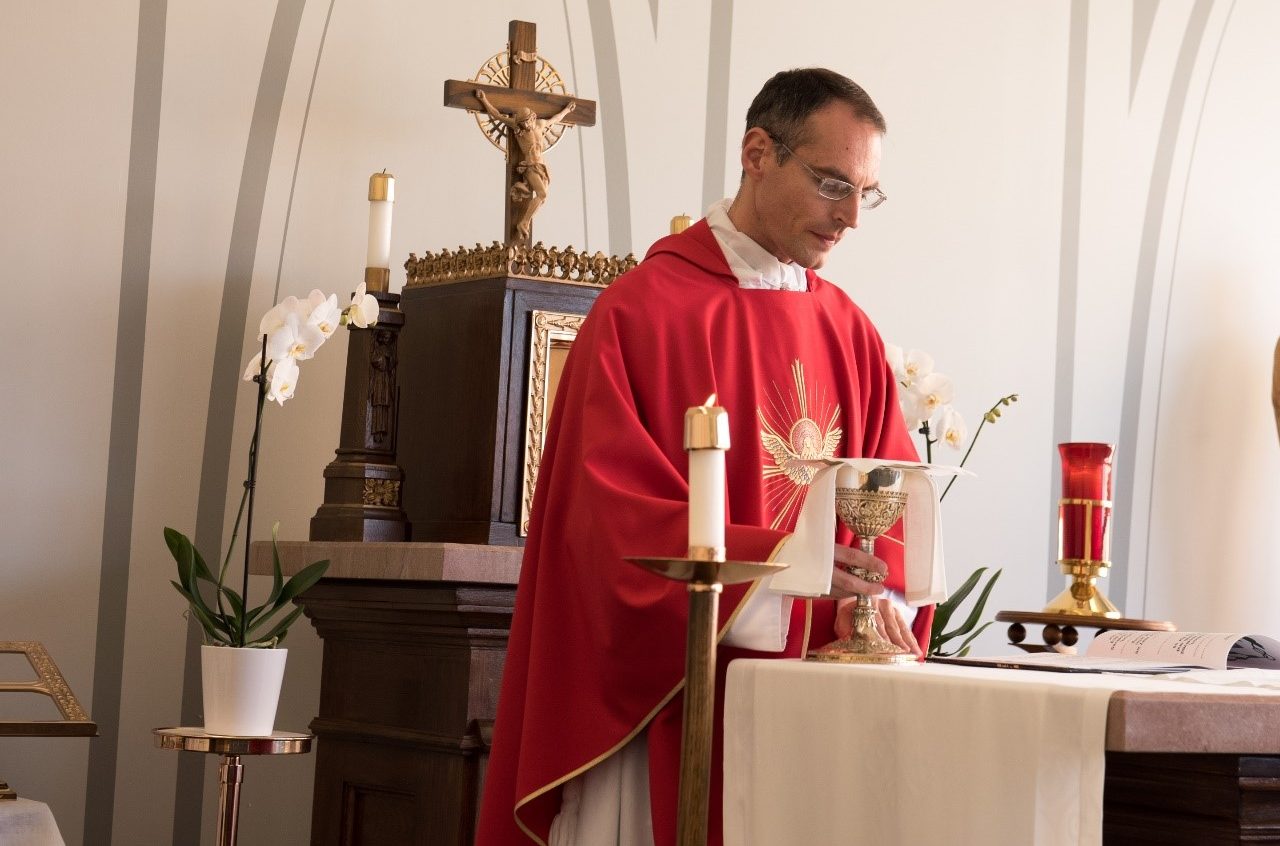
[{"x": 412, "y": 562}]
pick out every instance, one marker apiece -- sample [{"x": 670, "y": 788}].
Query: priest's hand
[
  {"x": 856, "y": 572},
  {"x": 890, "y": 623}
]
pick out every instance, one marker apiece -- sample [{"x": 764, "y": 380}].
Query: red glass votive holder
[{"x": 1084, "y": 512}]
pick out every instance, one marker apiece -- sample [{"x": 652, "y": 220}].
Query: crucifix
[{"x": 526, "y": 109}]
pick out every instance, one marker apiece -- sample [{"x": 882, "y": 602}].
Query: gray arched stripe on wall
[
  {"x": 297, "y": 157},
  {"x": 1144, "y": 18},
  {"x": 229, "y": 349},
  {"x": 1140, "y": 317},
  {"x": 126, "y": 401},
  {"x": 582, "y": 150},
  {"x": 716, "y": 147},
  {"x": 617, "y": 183},
  {"x": 1164, "y": 330},
  {"x": 1068, "y": 267}
]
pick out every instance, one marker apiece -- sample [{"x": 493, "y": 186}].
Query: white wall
[{"x": 1082, "y": 208}]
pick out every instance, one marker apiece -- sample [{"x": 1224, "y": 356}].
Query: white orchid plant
[
  {"x": 925, "y": 399},
  {"x": 291, "y": 332}
]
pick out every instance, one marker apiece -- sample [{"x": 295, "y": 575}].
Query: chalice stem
[{"x": 864, "y": 622}]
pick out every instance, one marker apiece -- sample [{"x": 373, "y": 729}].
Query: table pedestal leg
[{"x": 230, "y": 774}]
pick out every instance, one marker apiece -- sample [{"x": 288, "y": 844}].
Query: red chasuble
[{"x": 597, "y": 644}]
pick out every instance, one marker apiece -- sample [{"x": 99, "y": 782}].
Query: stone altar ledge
[{"x": 425, "y": 562}]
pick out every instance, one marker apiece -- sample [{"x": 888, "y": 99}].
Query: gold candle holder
[{"x": 382, "y": 194}]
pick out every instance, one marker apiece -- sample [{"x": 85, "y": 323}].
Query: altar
[{"x": 822, "y": 754}]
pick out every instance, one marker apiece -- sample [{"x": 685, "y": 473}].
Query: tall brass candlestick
[{"x": 705, "y": 571}]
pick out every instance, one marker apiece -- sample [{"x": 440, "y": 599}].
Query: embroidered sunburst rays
[{"x": 790, "y": 433}]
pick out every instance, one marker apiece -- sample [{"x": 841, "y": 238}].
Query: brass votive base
[{"x": 1083, "y": 598}]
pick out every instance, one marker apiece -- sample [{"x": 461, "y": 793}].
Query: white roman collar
[{"x": 754, "y": 266}]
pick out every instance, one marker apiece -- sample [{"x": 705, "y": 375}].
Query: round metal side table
[{"x": 231, "y": 771}]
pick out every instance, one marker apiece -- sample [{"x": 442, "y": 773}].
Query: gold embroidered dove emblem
[{"x": 790, "y": 436}]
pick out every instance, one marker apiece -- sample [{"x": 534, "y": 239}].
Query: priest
[{"x": 587, "y": 742}]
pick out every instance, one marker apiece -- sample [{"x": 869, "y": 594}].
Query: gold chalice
[{"x": 870, "y": 511}]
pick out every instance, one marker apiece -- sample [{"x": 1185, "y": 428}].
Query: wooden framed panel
[{"x": 551, "y": 337}]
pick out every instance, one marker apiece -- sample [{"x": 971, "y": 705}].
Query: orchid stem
[
  {"x": 976, "y": 432},
  {"x": 250, "y": 484}
]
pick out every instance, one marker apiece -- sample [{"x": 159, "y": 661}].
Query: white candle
[
  {"x": 706, "y": 498},
  {"x": 382, "y": 188},
  {"x": 706, "y": 437}
]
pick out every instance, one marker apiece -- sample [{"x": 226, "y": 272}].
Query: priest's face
[{"x": 781, "y": 208}]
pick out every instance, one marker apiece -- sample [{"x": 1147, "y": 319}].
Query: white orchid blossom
[
  {"x": 916, "y": 366},
  {"x": 282, "y": 379},
  {"x": 363, "y": 310},
  {"x": 295, "y": 329},
  {"x": 893, "y": 356},
  {"x": 908, "y": 367},
  {"x": 294, "y": 339},
  {"x": 275, "y": 318},
  {"x": 323, "y": 312},
  {"x": 925, "y": 398},
  {"x": 254, "y": 368},
  {"x": 951, "y": 429}
]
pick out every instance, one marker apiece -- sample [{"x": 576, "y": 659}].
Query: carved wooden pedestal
[
  {"x": 415, "y": 636},
  {"x": 362, "y": 483}
]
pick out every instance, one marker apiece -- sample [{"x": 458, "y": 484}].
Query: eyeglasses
[{"x": 837, "y": 189}]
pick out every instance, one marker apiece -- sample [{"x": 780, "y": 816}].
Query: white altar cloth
[
  {"x": 25, "y": 822},
  {"x": 836, "y": 754}
]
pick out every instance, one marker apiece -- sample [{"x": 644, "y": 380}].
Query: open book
[{"x": 1147, "y": 653}]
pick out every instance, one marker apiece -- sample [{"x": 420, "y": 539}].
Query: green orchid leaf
[
  {"x": 254, "y": 613},
  {"x": 277, "y": 577},
  {"x": 964, "y": 647},
  {"x": 234, "y": 600},
  {"x": 277, "y": 633},
  {"x": 303, "y": 579},
  {"x": 943, "y": 611},
  {"x": 191, "y": 590},
  {"x": 979, "y": 606},
  {"x": 183, "y": 554},
  {"x": 214, "y": 627}
]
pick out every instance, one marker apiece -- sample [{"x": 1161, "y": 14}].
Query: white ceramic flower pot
[{"x": 241, "y": 689}]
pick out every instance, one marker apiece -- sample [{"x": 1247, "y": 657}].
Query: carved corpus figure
[{"x": 528, "y": 134}]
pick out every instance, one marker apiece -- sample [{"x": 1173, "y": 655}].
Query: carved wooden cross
[{"x": 526, "y": 174}]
